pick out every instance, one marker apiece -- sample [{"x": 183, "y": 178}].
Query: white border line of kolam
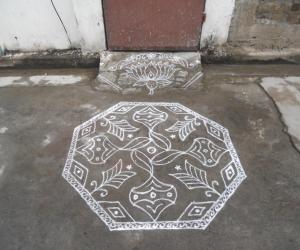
[{"x": 162, "y": 225}]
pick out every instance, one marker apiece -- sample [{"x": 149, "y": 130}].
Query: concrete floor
[{"x": 40, "y": 210}]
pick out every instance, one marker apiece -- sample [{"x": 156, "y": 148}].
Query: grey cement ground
[
  {"x": 286, "y": 94},
  {"x": 40, "y": 210}
]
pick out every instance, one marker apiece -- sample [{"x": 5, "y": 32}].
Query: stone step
[{"x": 149, "y": 71}]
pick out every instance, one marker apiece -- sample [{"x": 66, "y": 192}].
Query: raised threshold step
[{"x": 149, "y": 71}]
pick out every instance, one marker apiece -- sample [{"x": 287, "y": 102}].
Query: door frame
[
  {"x": 215, "y": 28},
  {"x": 218, "y": 21}
]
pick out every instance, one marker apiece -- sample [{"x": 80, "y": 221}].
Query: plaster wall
[
  {"x": 266, "y": 25},
  {"x": 34, "y": 25},
  {"x": 90, "y": 24},
  {"x": 264, "y": 28},
  {"x": 218, "y": 19}
]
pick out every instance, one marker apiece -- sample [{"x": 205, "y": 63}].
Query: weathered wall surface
[
  {"x": 266, "y": 24},
  {"x": 261, "y": 29},
  {"x": 218, "y": 19},
  {"x": 35, "y": 25},
  {"x": 30, "y": 25},
  {"x": 90, "y": 24},
  {"x": 239, "y": 29}
]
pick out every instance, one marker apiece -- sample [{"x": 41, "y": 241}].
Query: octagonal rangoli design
[{"x": 153, "y": 166}]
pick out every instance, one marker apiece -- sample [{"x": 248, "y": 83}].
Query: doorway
[{"x": 153, "y": 25}]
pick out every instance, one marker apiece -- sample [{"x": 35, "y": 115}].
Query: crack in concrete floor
[{"x": 286, "y": 99}]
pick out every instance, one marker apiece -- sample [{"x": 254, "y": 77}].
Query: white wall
[
  {"x": 218, "y": 18},
  {"x": 90, "y": 24},
  {"x": 33, "y": 25}
]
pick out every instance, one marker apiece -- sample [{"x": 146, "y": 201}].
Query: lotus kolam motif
[{"x": 150, "y": 71}]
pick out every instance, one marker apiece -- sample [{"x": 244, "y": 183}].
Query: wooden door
[{"x": 158, "y": 25}]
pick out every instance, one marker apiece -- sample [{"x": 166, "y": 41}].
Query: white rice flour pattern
[
  {"x": 151, "y": 71},
  {"x": 142, "y": 166}
]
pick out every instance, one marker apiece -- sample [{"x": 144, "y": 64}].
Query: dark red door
[{"x": 153, "y": 24}]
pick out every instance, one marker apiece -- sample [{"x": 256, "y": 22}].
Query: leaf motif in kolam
[
  {"x": 118, "y": 128},
  {"x": 115, "y": 177},
  {"x": 184, "y": 128}
]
